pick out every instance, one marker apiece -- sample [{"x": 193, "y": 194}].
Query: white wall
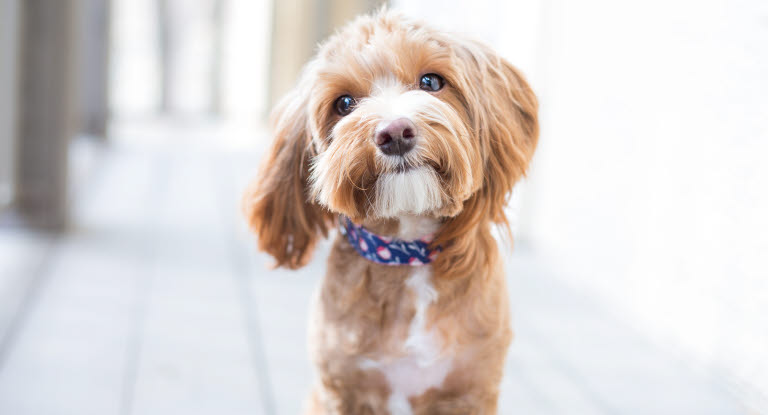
[
  {"x": 8, "y": 51},
  {"x": 651, "y": 181},
  {"x": 650, "y": 185}
]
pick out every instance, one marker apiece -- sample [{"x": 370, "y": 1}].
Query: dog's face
[
  {"x": 393, "y": 118},
  {"x": 392, "y": 126}
]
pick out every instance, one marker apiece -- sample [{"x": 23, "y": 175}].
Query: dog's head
[{"x": 391, "y": 118}]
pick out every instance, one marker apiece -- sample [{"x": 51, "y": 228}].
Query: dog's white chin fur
[{"x": 416, "y": 191}]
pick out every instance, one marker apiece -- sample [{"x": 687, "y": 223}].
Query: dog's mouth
[
  {"x": 400, "y": 164},
  {"x": 403, "y": 167}
]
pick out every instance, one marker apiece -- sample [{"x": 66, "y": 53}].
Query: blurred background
[{"x": 128, "y": 129}]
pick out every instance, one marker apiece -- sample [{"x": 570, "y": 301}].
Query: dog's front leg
[{"x": 323, "y": 401}]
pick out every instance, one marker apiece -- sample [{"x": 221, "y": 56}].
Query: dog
[{"x": 410, "y": 140}]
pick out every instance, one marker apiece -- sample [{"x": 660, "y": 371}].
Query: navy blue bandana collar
[{"x": 385, "y": 250}]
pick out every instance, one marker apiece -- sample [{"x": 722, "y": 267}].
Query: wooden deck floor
[{"x": 155, "y": 302}]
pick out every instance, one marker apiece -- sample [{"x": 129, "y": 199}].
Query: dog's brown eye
[
  {"x": 345, "y": 104},
  {"x": 431, "y": 82}
]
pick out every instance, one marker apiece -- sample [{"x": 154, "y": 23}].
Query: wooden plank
[
  {"x": 231, "y": 169},
  {"x": 23, "y": 262},
  {"x": 534, "y": 383},
  {"x": 279, "y": 299},
  {"x": 612, "y": 366},
  {"x": 195, "y": 349},
  {"x": 23, "y": 256},
  {"x": 70, "y": 353}
]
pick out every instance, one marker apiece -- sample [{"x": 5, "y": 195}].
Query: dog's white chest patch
[{"x": 422, "y": 363}]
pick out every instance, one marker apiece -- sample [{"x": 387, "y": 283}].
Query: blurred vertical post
[
  {"x": 94, "y": 29},
  {"x": 46, "y": 102},
  {"x": 190, "y": 35},
  {"x": 217, "y": 58},
  {"x": 165, "y": 48},
  {"x": 297, "y": 27},
  {"x": 9, "y": 28}
]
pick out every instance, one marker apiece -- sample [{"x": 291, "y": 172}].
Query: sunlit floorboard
[{"x": 155, "y": 302}]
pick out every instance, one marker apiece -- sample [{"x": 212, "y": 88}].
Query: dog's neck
[{"x": 403, "y": 227}]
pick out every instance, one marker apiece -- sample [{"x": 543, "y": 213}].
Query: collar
[{"x": 386, "y": 250}]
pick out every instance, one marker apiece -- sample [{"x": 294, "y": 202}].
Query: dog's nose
[{"x": 397, "y": 138}]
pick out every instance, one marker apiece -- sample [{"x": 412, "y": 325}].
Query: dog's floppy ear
[
  {"x": 502, "y": 111},
  {"x": 276, "y": 205},
  {"x": 504, "y": 114}
]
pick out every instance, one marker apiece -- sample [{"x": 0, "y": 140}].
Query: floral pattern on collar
[{"x": 386, "y": 250}]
